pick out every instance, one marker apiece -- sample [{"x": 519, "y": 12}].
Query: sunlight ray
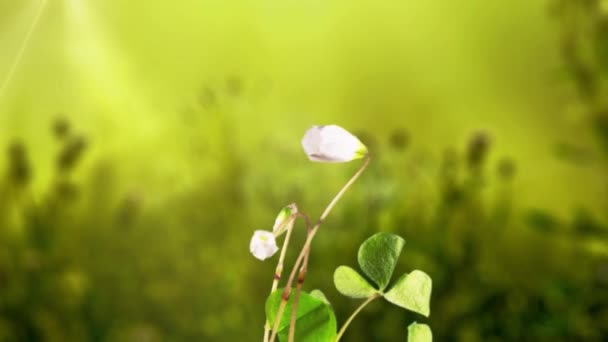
[
  {"x": 101, "y": 64},
  {"x": 22, "y": 48}
]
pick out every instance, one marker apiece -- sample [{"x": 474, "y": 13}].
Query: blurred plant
[
  {"x": 32, "y": 264},
  {"x": 584, "y": 47},
  {"x": 478, "y": 150},
  {"x": 110, "y": 263},
  {"x": 312, "y": 317},
  {"x": 399, "y": 139},
  {"x": 81, "y": 259},
  {"x": 61, "y": 128},
  {"x": 20, "y": 171}
]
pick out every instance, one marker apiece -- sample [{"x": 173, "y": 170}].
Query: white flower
[
  {"x": 263, "y": 244},
  {"x": 332, "y": 144},
  {"x": 284, "y": 220}
]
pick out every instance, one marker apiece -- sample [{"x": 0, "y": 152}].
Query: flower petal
[
  {"x": 263, "y": 244},
  {"x": 332, "y": 144}
]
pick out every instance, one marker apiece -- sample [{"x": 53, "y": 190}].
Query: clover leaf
[
  {"x": 378, "y": 256},
  {"x": 419, "y": 333},
  {"x": 315, "y": 319},
  {"x": 351, "y": 284},
  {"x": 412, "y": 291}
]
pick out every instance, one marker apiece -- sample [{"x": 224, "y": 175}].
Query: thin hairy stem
[
  {"x": 354, "y": 314},
  {"x": 277, "y": 276},
  {"x": 279, "y": 269},
  {"x": 306, "y": 247},
  {"x": 296, "y": 299},
  {"x": 343, "y": 190}
]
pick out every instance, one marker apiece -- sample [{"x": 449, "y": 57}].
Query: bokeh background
[{"x": 144, "y": 141}]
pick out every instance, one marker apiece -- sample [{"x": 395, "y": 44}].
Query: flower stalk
[
  {"x": 303, "y": 269},
  {"x": 296, "y": 298},
  {"x": 282, "y": 224},
  {"x": 277, "y": 277},
  {"x": 306, "y": 248}
]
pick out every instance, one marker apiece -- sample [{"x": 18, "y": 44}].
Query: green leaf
[
  {"x": 378, "y": 256},
  {"x": 413, "y": 292},
  {"x": 315, "y": 319},
  {"x": 352, "y": 284},
  {"x": 419, "y": 333},
  {"x": 319, "y": 295}
]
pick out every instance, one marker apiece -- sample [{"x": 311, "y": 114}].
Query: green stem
[
  {"x": 279, "y": 269},
  {"x": 339, "y": 195},
  {"x": 306, "y": 247},
  {"x": 296, "y": 298},
  {"x": 354, "y": 314},
  {"x": 277, "y": 276}
]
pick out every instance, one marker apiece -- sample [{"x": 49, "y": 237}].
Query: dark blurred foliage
[
  {"x": 584, "y": 48},
  {"x": 90, "y": 262},
  {"x": 499, "y": 274},
  {"x": 85, "y": 261}
]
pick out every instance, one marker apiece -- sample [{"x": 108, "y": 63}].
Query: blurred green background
[{"x": 144, "y": 141}]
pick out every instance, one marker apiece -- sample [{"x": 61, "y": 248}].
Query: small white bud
[
  {"x": 263, "y": 244},
  {"x": 332, "y": 144}
]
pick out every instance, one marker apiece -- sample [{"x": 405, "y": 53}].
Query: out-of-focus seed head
[
  {"x": 66, "y": 190},
  {"x": 399, "y": 139},
  {"x": 61, "y": 127},
  {"x": 478, "y": 148},
  {"x": 16, "y": 150},
  {"x": 71, "y": 153},
  {"x": 20, "y": 170},
  {"x": 507, "y": 169}
]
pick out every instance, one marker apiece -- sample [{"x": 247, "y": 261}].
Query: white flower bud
[
  {"x": 263, "y": 244},
  {"x": 332, "y": 144}
]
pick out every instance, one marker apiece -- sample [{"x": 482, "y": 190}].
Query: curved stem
[
  {"x": 277, "y": 277},
  {"x": 296, "y": 298},
  {"x": 339, "y": 195},
  {"x": 354, "y": 314},
  {"x": 306, "y": 220},
  {"x": 306, "y": 247},
  {"x": 294, "y": 311},
  {"x": 279, "y": 268}
]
